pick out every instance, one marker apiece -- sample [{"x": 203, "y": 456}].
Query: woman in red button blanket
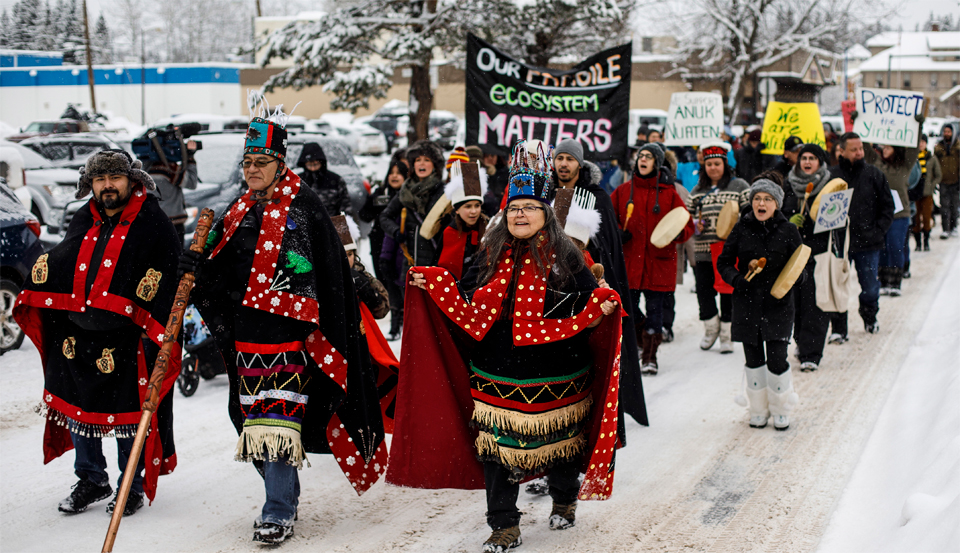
[{"x": 513, "y": 371}]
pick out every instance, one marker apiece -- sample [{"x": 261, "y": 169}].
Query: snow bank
[{"x": 905, "y": 491}]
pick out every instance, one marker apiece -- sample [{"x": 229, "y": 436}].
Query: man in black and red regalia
[
  {"x": 276, "y": 291},
  {"x": 96, "y": 306}
]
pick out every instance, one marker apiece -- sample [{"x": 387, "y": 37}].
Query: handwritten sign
[
  {"x": 784, "y": 120},
  {"x": 694, "y": 118},
  {"x": 886, "y": 116},
  {"x": 833, "y": 211}
]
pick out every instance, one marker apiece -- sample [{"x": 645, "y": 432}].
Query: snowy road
[{"x": 698, "y": 479}]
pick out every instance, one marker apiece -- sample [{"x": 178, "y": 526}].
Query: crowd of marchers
[{"x": 530, "y": 294}]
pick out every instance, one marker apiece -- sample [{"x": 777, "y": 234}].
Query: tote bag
[{"x": 832, "y": 277}]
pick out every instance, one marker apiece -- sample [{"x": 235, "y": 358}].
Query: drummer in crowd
[
  {"x": 639, "y": 206},
  {"x": 763, "y": 239}
]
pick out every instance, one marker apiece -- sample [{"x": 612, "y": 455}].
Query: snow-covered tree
[
  {"x": 5, "y": 29},
  {"x": 541, "y": 31},
  {"x": 732, "y": 40},
  {"x": 101, "y": 44},
  {"x": 70, "y": 31},
  {"x": 354, "y": 51},
  {"x": 27, "y": 23},
  {"x": 942, "y": 22}
]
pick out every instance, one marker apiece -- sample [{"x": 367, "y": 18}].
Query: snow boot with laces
[
  {"x": 84, "y": 494},
  {"x": 134, "y": 502},
  {"x": 711, "y": 331},
  {"x": 563, "y": 516},
  {"x": 756, "y": 391},
  {"x": 272, "y": 533},
  {"x": 726, "y": 339},
  {"x": 781, "y": 398},
  {"x": 503, "y": 539}
]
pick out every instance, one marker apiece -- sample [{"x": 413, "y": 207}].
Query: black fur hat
[
  {"x": 429, "y": 149},
  {"x": 112, "y": 162}
]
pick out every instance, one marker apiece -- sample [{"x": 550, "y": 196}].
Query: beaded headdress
[
  {"x": 266, "y": 133},
  {"x": 529, "y": 178}
]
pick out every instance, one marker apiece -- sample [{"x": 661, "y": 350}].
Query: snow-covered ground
[{"x": 870, "y": 462}]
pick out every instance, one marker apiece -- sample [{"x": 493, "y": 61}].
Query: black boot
[
  {"x": 896, "y": 275},
  {"x": 883, "y": 275},
  {"x": 916, "y": 238},
  {"x": 926, "y": 240},
  {"x": 396, "y": 322},
  {"x": 905, "y": 273}
]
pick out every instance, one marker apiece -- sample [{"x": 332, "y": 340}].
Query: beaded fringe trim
[
  {"x": 263, "y": 443},
  {"x": 86, "y": 429},
  {"x": 526, "y": 459},
  {"x": 521, "y": 424}
]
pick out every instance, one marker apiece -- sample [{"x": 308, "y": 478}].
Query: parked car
[
  {"x": 51, "y": 187},
  {"x": 69, "y": 150},
  {"x": 443, "y": 127},
  {"x": 19, "y": 248},
  {"x": 362, "y": 139},
  {"x": 208, "y": 122},
  {"x": 832, "y": 123},
  {"x": 388, "y": 120},
  {"x": 50, "y": 126}
]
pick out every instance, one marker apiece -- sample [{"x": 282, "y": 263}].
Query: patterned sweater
[{"x": 705, "y": 203}]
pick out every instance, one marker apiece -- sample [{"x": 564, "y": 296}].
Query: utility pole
[
  {"x": 86, "y": 38},
  {"x": 259, "y": 13}
]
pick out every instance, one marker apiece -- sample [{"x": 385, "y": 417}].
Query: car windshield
[
  {"x": 31, "y": 159},
  {"x": 41, "y": 126},
  {"x": 336, "y": 155},
  {"x": 217, "y": 161}
]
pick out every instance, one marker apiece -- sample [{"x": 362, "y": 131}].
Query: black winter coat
[
  {"x": 376, "y": 202},
  {"x": 757, "y": 315},
  {"x": 332, "y": 190},
  {"x": 750, "y": 162},
  {"x": 871, "y": 208},
  {"x": 424, "y": 252}
]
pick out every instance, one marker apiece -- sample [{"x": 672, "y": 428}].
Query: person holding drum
[
  {"x": 640, "y": 205},
  {"x": 717, "y": 188},
  {"x": 760, "y": 247}
]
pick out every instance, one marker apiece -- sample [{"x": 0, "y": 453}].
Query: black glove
[
  {"x": 740, "y": 283},
  {"x": 625, "y": 236},
  {"x": 853, "y": 115},
  {"x": 189, "y": 262},
  {"x": 920, "y": 118}
]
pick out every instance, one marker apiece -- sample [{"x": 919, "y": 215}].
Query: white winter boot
[
  {"x": 781, "y": 398},
  {"x": 726, "y": 341},
  {"x": 756, "y": 390},
  {"x": 711, "y": 328}
]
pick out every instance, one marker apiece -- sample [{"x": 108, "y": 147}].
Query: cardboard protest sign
[
  {"x": 833, "y": 211},
  {"x": 694, "y": 118},
  {"x": 887, "y": 116},
  {"x": 784, "y": 120},
  {"x": 508, "y": 101}
]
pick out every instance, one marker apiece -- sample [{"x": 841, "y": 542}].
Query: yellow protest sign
[{"x": 784, "y": 120}]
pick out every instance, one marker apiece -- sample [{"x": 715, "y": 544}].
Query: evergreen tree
[
  {"x": 27, "y": 24},
  {"x": 102, "y": 46},
  {"x": 5, "y": 29},
  {"x": 71, "y": 32}
]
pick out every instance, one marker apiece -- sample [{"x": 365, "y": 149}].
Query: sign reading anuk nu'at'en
[
  {"x": 694, "y": 118},
  {"x": 508, "y": 101},
  {"x": 886, "y": 116}
]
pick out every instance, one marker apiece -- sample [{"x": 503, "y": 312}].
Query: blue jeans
[
  {"x": 91, "y": 465},
  {"x": 654, "y": 304},
  {"x": 282, "y": 484},
  {"x": 895, "y": 240},
  {"x": 867, "y": 264}
]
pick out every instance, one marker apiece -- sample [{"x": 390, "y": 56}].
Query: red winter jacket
[{"x": 649, "y": 267}]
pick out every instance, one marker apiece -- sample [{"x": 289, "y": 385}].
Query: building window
[
  {"x": 955, "y": 77},
  {"x": 906, "y": 81},
  {"x": 648, "y": 44},
  {"x": 933, "y": 80},
  {"x": 879, "y": 82}
]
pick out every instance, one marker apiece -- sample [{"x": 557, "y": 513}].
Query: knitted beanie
[
  {"x": 769, "y": 187},
  {"x": 571, "y": 147}
]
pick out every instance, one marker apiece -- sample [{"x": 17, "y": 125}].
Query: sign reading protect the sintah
[
  {"x": 694, "y": 118},
  {"x": 886, "y": 116},
  {"x": 508, "y": 101}
]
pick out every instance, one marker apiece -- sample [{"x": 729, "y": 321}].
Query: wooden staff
[
  {"x": 803, "y": 210},
  {"x": 174, "y": 322}
]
